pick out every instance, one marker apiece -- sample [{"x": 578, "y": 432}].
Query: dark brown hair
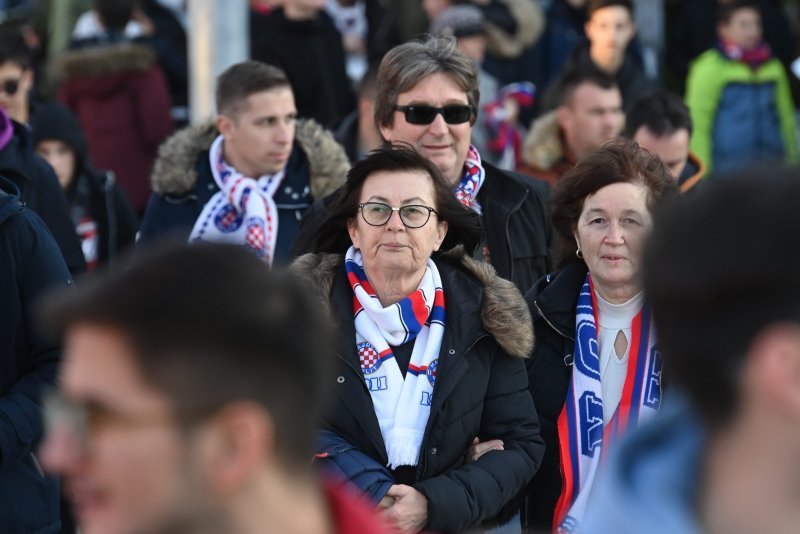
[
  {"x": 618, "y": 161},
  {"x": 244, "y": 79},
  {"x": 463, "y": 224}
]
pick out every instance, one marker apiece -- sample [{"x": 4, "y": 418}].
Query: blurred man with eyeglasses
[
  {"x": 16, "y": 76},
  {"x": 189, "y": 403},
  {"x": 427, "y": 96},
  {"x": 249, "y": 176}
]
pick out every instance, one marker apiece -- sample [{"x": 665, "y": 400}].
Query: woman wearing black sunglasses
[
  {"x": 430, "y": 352},
  {"x": 427, "y": 96}
]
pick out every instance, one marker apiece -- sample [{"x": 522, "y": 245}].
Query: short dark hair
[
  {"x": 723, "y": 267},
  {"x": 661, "y": 112},
  {"x": 114, "y": 14},
  {"x": 209, "y": 325},
  {"x": 594, "y": 5},
  {"x": 618, "y": 161},
  {"x": 13, "y": 48},
  {"x": 244, "y": 79},
  {"x": 463, "y": 224},
  {"x": 576, "y": 77},
  {"x": 405, "y": 65},
  {"x": 726, "y": 11}
]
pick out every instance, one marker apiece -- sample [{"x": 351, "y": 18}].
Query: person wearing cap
[{"x": 103, "y": 217}]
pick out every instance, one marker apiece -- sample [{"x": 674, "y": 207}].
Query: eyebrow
[
  {"x": 387, "y": 201},
  {"x": 603, "y": 212}
]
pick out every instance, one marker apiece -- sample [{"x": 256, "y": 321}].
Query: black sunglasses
[
  {"x": 9, "y": 87},
  {"x": 422, "y": 114}
]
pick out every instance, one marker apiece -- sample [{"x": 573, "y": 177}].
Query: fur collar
[
  {"x": 174, "y": 171},
  {"x": 103, "y": 60},
  {"x": 542, "y": 147},
  {"x": 504, "y": 315}
]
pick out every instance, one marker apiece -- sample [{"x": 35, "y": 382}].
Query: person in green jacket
[{"x": 738, "y": 96}]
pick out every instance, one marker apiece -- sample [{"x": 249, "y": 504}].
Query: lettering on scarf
[
  {"x": 652, "y": 394},
  {"x": 591, "y": 421}
]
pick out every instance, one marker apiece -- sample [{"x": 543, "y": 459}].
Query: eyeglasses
[
  {"x": 412, "y": 216},
  {"x": 10, "y": 87},
  {"x": 422, "y": 114}
]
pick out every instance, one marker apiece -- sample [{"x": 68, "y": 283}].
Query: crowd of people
[{"x": 467, "y": 267}]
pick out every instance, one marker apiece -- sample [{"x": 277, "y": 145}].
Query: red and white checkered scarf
[{"x": 242, "y": 212}]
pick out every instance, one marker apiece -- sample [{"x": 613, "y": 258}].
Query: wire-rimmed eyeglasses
[{"x": 412, "y": 215}]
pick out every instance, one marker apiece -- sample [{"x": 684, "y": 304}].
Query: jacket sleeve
[
  {"x": 39, "y": 267},
  {"x": 473, "y": 492},
  {"x": 343, "y": 460},
  {"x": 703, "y": 89},
  {"x": 786, "y": 115}
]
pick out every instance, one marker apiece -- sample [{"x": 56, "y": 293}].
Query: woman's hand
[
  {"x": 478, "y": 449},
  {"x": 409, "y": 511}
]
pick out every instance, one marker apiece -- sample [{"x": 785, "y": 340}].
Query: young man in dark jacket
[{"x": 30, "y": 264}]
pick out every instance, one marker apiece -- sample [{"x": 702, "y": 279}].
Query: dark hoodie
[
  {"x": 30, "y": 264},
  {"x": 103, "y": 217},
  {"x": 39, "y": 189}
]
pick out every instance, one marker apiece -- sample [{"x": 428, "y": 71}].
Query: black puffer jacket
[
  {"x": 480, "y": 391},
  {"x": 552, "y": 301}
]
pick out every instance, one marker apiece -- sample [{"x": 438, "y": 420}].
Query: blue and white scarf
[
  {"x": 402, "y": 405},
  {"x": 242, "y": 212},
  {"x": 467, "y": 189}
]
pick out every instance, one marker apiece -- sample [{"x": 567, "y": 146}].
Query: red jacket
[
  {"x": 121, "y": 98},
  {"x": 351, "y": 512}
]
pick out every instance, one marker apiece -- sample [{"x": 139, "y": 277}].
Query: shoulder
[
  {"x": 327, "y": 159},
  {"x": 174, "y": 170}
]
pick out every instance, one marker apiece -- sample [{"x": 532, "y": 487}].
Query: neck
[
  {"x": 392, "y": 287},
  {"x": 295, "y": 13},
  {"x": 20, "y": 115},
  {"x": 232, "y": 159},
  {"x": 761, "y": 449},
  {"x": 294, "y": 505},
  {"x": 611, "y": 63},
  {"x": 617, "y": 294},
  {"x": 369, "y": 138}
]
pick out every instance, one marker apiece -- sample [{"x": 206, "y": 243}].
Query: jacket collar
[{"x": 556, "y": 295}]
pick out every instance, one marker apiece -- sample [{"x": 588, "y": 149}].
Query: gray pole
[{"x": 218, "y": 37}]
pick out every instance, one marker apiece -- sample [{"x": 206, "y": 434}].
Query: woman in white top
[{"x": 596, "y": 368}]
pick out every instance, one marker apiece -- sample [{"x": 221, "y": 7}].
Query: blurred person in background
[
  {"x": 610, "y": 28},
  {"x": 739, "y": 97},
  {"x": 357, "y": 132},
  {"x": 430, "y": 350},
  {"x": 103, "y": 217},
  {"x": 722, "y": 454},
  {"x": 249, "y": 176},
  {"x": 30, "y": 265},
  {"x": 16, "y": 75},
  {"x": 118, "y": 91},
  {"x": 590, "y": 114},
  {"x": 167, "y": 423},
  {"x": 595, "y": 371},
  {"x": 660, "y": 123}
]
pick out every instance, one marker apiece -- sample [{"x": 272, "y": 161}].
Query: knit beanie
[{"x": 52, "y": 121}]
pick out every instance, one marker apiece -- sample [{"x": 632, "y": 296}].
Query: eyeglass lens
[
  {"x": 10, "y": 87},
  {"x": 378, "y": 214},
  {"x": 422, "y": 114}
]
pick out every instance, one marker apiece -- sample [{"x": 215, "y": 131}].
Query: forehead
[
  {"x": 672, "y": 143},
  {"x": 436, "y": 89},
  {"x": 610, "y": 14},
  {"x": 100, "y": 364},
  {"x": 589, "y": 95},
  {"x": 275, "y": 102},
  {"x": 397, "y": 186},
  {"x": 615, "y": 198},
  {"x": 744, "y": 15},
  {"x": 9, "y": 68}
]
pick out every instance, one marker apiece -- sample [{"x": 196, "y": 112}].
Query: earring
[{"x": 578, "y": 254}]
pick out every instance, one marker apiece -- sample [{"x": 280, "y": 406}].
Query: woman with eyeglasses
[{"x": 430, "y": 356}]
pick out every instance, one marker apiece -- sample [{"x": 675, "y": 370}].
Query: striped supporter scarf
[
  {"x": 467, "y": 189},
  {"x": 583, "y": 441},
  {"x": 242, "y": 212},
  {"x": 402, "y": 405}
]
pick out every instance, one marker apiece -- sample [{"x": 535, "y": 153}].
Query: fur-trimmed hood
[
  {"x": 543, "y": 146},
  {"x": 530, "y": 21},
  {"x": 504, "y": 314},
  {"x": 174, "y": 170},
  {"x": 103, "y": 60}
]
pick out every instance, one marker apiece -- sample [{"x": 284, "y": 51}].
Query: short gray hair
[{"x": 405, "y": 65}]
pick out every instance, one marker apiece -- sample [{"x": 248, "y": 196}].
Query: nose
[
  {"x": 615, "y": 234},
  {"x": 394, "y": 223},
  {"x": 438, "y": 126},
  {"x": 61, "y": 451}
]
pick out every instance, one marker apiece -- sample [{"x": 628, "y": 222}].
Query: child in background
[{"x": 739, "y": 97}]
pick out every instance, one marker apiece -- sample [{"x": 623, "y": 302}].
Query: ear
[
  {"x": 352, "y": 230},
  {"x": 773, "y": 368},
  {"x": 386, "y": 132},
  {"x": 242, "y": 442},
  {"x": 441, "y": 232},
  {"x": 225, "y": 125},
  {"x": 575, "y": 235},
  {"x": 563, "y": 116},
  {"x": 27, "y": 79}
]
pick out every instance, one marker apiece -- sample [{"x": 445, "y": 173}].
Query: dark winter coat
[
  {"x": 183, "y": 183},
  {"x": 517, "y": 231},
  {"x": 30, "y": 263},
  {"x": 120, "y": 96},
  {"x": 40, "y": 191},
  {"x": 552, "y": 301},
  {"x": 480, "y": 391},
  {"x": 312, "y": 55}
]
